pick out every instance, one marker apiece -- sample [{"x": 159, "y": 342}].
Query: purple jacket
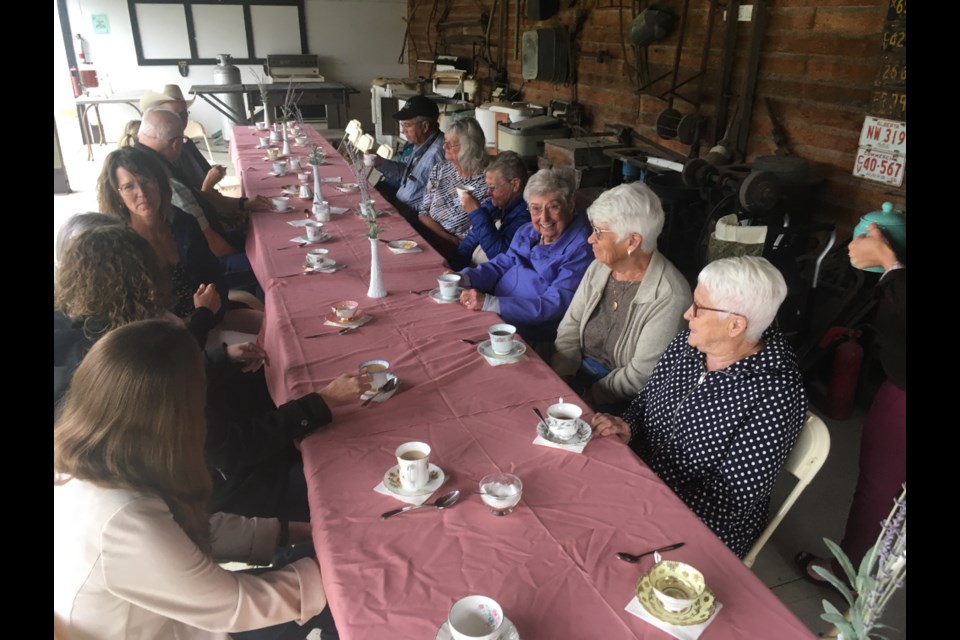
[{"x": 535, "y": 282}]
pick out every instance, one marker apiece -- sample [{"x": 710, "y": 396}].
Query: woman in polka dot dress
[{"x": 724, "y": 404}]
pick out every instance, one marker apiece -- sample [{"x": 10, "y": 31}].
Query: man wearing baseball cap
[{"x": 418, "y": 122}]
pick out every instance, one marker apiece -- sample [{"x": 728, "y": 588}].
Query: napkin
[
  {"x": 497, "y": 362},
  {"x": 684, "y": 632},
  {"x": 299, "y": 223},
  {"x": 338, "y": 210},
  {"x": 408, "y": 499},
  {"x": 331, "y": 179},
  {"x": 331, "y": 269},
  {"x": 353, "y": 324},
  {"x": 299, "y": 239},
  {"x": 576, "y": 448}
]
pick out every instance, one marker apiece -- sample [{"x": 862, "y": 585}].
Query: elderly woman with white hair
[
  {"x": 441, "y": 212},
  {"x": 724, "y": 404},
  {"x": 629, "y": 305},
  {"x": 532, "y": 283}
]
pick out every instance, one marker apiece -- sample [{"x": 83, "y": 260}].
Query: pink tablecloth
[{"x": 551, "y": 563}]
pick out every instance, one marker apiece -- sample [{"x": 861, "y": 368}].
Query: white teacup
[
  {"x": 314, "y": 231},
  {"x": 303, "y": 176},
  {"x": 305, "y": 191},
  {"x": 563, "y": 419},
  {"x": 317, "y": 256},
  {"x": 475, "y": 618},
  {"x": 463, "y": 188},
  {"x": 294, "y": 163},
  {"x": 273, "y": 153},
  {"x": 265, "y": 142},
  {"x": 280, "y": 203},
  {"x": 346, "y": 309},
  {"x": 677, "y": 585},
  {"x": 369, "y": 159},
  {"x": 449, "y": 284},
  {"x": 413, "y": 465},
  {"x": 501, "y": 337},
  {"x": 301, "y": 141},
  {"x": 279, "y": 168},
  {"x": 377, "y": 370},
  {"x": 275, "y": 136},
  {"x": 261, "y": 126}
]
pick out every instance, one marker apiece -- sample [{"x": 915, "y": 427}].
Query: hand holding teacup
[{"x": 345, "y": 388}]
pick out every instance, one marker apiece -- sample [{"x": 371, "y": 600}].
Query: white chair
[
  {"x": 804, "y": 462},
  {"x": 385, "y": 151},
  {"x": 365, "y": 143},
  {"x": 195, "y": 130},
  {"x": 350, "y": 134}
]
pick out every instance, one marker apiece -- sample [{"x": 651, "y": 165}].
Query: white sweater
[
  {"x": 655, "y": 317},
  {"x": 124, "y": 569}
]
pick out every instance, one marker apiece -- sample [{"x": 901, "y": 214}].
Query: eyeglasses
[
  {"x": 408, "y": 124},
  {"x": 553, "y": 208},
  {"x": 497, "y": 187},
  {"x": 697, "y": 308},
  {"x": 450, "y": 145},
  {"x": 142, "y": 184},
  {"x": 599, "y": 231}
]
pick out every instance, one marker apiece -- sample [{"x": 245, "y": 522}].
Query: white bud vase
[
  {"x": 286, "y": 141},
  {"x": 317, "y": 196},
  {"x": 376, "y": 290},
  {"x": 266, "y": 113}
]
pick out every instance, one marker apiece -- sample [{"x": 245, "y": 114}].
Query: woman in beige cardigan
[{"x": 629, "y": 305}]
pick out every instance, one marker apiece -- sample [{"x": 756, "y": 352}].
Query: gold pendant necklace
[{"x": 616, "y": 303}]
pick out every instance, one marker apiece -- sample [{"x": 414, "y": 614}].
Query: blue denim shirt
[{"x": 413, "y": 173}]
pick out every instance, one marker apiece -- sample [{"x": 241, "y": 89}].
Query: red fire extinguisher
[{"x": 847, "y": 359}]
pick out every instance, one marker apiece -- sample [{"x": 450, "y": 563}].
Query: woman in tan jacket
[{"x": 629, "y": 305}]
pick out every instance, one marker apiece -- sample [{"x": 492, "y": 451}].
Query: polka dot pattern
[{"x": 719, "y": 438}]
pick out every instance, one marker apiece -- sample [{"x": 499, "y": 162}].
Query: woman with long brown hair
[{"x": 135, "y": 551}]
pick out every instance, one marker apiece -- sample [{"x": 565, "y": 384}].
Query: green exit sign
[{"x": 101, "y": 24}]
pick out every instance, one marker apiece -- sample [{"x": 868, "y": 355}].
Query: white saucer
[
  {"x": 391, "y": 482},
  {"x": 582, "y": 436},
  {"x": 277, "y": 175},
  {"x": 347, "y": 187},
  {"x": 325, "y": 263},
  {"x": 403, "y": 245},
  {"x": 508, "y": 631},
  {"x": 289, "y": 208},
  {"x": 486, "y": 349},
  {"x": 435, "y": 294},
  {"x": 383, "y": 397}
]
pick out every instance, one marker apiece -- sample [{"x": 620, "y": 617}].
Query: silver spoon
[
  {"x": 468, "y": 341},
  {"x": 299, "y": 245},
  {"x": 389, "y": 386},
  {"x": 629, "y": 557},
  {"x": 540, "y": 415},
  {"x": 444, "y": 501}
]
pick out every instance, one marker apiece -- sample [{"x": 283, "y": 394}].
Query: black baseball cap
[{"x": 418, "y": 106}]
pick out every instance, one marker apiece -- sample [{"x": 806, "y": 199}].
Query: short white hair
[
  {"x": 630, "y": 208},
  {"x": 746, "y": 285},
  {"x": 559, "y": 183},
  {"x": 160, "y": 124}
]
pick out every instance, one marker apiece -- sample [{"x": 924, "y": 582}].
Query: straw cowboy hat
[{"x": 170, "y": 93}]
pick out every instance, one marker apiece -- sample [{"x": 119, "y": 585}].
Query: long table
[
  {"x": 551, "y": 563},
  {"x": 335, "y": 96}
]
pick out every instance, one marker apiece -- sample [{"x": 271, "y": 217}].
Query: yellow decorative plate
[{"x": 699, "y": 612}]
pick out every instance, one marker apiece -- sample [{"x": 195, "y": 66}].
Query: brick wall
[{"x": 818, "y": 63}]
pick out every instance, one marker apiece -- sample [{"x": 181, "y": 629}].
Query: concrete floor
[{"x": 820, "y": 512}]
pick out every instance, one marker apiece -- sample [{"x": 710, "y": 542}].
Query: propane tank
[
  {"x": 847, "y": 359},
  {"x": 226, "y": 73}
]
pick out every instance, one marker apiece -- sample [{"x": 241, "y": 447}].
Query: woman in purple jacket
[{"x": 532, "y": 283}]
